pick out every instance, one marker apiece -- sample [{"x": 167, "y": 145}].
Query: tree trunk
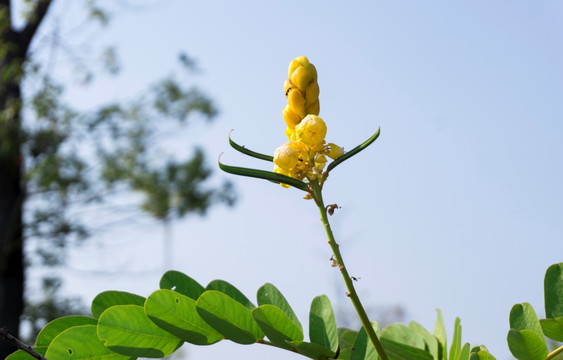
[{"x": 12, "y": 196}]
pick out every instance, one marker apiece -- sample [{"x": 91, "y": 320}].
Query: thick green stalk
[
  {"x": 554, "y": 353},
  {"x": 352, "y": 294}
]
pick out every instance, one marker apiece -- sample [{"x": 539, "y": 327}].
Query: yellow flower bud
[
  {"x": 279, "y": 170},
  {"x": 313, "y": 108},
  {"x": 290, "y": 117},
  {"x": 297, "y": 62},
  {"x": 301, "y": 78},
  {"x": 335, "y": 151},
  {"x": 296, "y": 101},
  {"x": 311, "y": 130},
  {"x": 312, "y": 92},
  {"x": 287, "y": 85}
]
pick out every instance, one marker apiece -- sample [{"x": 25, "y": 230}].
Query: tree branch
[
  {"x": 35, "y": 19},
  {"x": 17, "y": 342}
]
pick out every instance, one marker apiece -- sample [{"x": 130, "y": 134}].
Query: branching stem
[
  {"x": 352, "y": 294},
  {"x": 20, "y": 344},
  {"x": 554, "y": 353}
]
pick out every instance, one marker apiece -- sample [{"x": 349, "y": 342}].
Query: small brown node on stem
[
  {"x": 330, "y": 208},
  {"x": 307, "y": 197},
  {"x": 334, "y": 263},
  {"x": 348, "y": 294},
  {"x": 341, "y": 267}
]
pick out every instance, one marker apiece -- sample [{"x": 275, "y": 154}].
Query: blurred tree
[{"x": 54, "y": 158}]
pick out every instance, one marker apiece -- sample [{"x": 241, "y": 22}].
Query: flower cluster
[{"x": 304, "y": 156}]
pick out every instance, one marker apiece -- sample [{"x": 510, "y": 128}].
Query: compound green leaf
[
  {"x": 553, "y": 328},
  {"x": 314, "y": 351},
  {"x": 398, "y": 351},
  {"x": 57, "y": 326},
  {"x": 80, "y": 342},
  {"x": 526, "y": 345},
  {"x": 455, "y": 349},
  {"x": 106, "y": 299},
  {"x": 440, "y": 334},
  {"x": 430, "y": 340},
  {"x": 322, "y": 326},
  {"x": 553, "y": 291},
  {"x": 402, "y": 334},
  {"x": 182, "y": 283},
  {"x": 277, "y": 326},
  {"x": 177, "y": 314},
  {"x": 269, "y": 294},
  {"x": 523, "y": 316},
  {"x": 228, "y": 289},
  {"x": 127, "y": 330},
  {"x": 229, "y": 317},
  {"x": 363, "y": 347}
]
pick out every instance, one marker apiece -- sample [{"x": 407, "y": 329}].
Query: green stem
[
  {"x": 352, "y": 294},
  {"x": 554, "y": 353}
]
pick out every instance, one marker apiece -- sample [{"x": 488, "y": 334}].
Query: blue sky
[{"x": 458, "y": 205}]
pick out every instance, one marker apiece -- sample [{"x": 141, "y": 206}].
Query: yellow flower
[
  {"x": 311, "y": 130},
  {"x": 288, "y": 156},
  {"x": 334, "y": 151}
]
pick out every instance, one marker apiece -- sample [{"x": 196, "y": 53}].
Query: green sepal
[
  {"x": 248, "y": 152},
  {"x": 353, "y": 152},
  {"x": 267, "y": 175}
]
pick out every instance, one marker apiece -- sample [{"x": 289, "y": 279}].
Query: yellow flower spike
[
  {"x": 335, "y": 151},
  {"x": 311, "y": 130},
  {"x": 290, "y": 117}
]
